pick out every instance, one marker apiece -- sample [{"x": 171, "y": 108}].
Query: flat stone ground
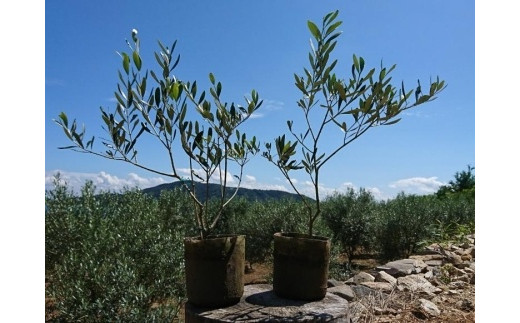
[
  {"x": 398, "y": 307},
  {"x": 260, "y": 304}
]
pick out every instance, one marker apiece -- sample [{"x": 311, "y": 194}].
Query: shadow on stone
[
  {"x": 269, "y": 298},
  {"x": 261, "y": 304}
]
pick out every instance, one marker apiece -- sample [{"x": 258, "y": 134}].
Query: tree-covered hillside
[{"x": 214, "y": 191}]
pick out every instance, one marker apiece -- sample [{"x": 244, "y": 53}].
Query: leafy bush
[
  {"x": 463, "y": 183},
  {"x": 174, "y": 205},
  {"x": 453, "y": 218},
  {"x": 402, "y": 224},
  {"x": 111, "y": 257},
  {"x": 349, "y": 216},
  {"x": 259, "y": 221},
  {"x": 61, "y": 229},
  {"x": 456, "y": 209}
]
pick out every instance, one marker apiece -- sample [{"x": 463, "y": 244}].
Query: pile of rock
[{"x": 427, "y": 278}]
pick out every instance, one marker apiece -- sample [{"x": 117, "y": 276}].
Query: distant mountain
[{"x": 214, "y": 191}]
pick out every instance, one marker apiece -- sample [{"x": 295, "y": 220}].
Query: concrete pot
[
  {"x": 214, "y": 270},
  {"x": 301, "y": 266}
]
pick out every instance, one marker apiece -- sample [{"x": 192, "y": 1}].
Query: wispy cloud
[
  {"x": 417, "y": 185},
  {"x": 108, "y": 182},
  {"x": 272, "y": 105},
  {"x": 215, "y": 178},
  {"x": 256, "y": 115},
  {"x": 102, "y": 180},
  {"x": 326, "y": 190},
  {"x": 418, "y": 113},
  {"x": 251, "y": 182}
]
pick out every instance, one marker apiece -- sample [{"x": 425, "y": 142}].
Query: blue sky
[{"x": 260, "y": 45}]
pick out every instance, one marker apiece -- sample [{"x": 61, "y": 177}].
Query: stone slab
[{"x": 260, "y": 304}]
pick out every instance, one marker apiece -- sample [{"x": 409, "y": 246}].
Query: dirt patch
[{"x": 258, "y": 274}]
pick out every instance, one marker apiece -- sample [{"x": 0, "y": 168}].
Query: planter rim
[
  {"x": 214, "y": 237},
  {"x": 302, "y": 236}
]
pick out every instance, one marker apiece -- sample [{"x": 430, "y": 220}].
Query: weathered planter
[
  {"x": 214, "y": 270},
  {"x": 301, "y": 266}
]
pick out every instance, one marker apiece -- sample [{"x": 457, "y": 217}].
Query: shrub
[
  {"x": 115, "y": 260},
  {"x": 61, "y": 231},
  {"x": 402, "y": 223},
  {"x": 349, "y": 216},
  {"x": 453, "y": 218},
  {"x": 259, "y": 221}
]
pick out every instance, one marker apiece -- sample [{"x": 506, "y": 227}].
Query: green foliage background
[{"x": 119, "y": 257}]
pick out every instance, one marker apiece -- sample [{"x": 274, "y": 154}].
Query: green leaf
[
  {"x": 433, "y": 88},
  {"x": 314, "y": 30},
  {"x": 137, "y": 60},
  {"x": 330, "y": 16},
  {"x": 78, "y": 139},
  {"x": 157, "y": 96},
  {"x": 194, "y": 89},
  {"x": 311, "y": 61},
  {"x": 356, "y": 62},
  {"x": 176, "y": 62},
  {"x": 159, "y": 61},
  {"x": 175, "y": 91},
  {"x": 382, "y": 74},
  {"x": 369, "y": 75},
  {"x": 202, "y": 96},
  {"x": 341, "y": 91},
  {"x": 64, "y": 118},
  {"x": 331, "y": 38},
  {"x": 333, "y": 27},
  {"x": 393, "y": 122},
  {"x": 289, "y": 124},
  {"x": 67, "y": 132},
  {"x": 212, "y": 78},
  {"x": 142, "y": 88},
  {"x": 423, "y": 99},
  {"x": 170, "y": 112},
  {"x": 126, "y": 63}
]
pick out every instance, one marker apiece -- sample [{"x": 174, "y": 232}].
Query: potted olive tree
[
  {"x": 211, "y": 145},
  {"x": 353, "y": 106}
]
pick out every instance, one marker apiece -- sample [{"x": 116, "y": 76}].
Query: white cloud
[
  {"x": 256, "y": 115},
  {"x": 272, "y": 105},
  {"x": 102, "y": 180},
  {"x": 348, "y": 185},
  {"x": 418, "y": 113},
  {"x": 215, "y": 178},
  {"x": 417, "y": 185},
  {"x": 108, "y": 182},
  {"x": 307, "y": 188},
  {"x": 250, "y": 182},
  {"x": 249, "y": 179},
  {"x": 377, "y": 193}
]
